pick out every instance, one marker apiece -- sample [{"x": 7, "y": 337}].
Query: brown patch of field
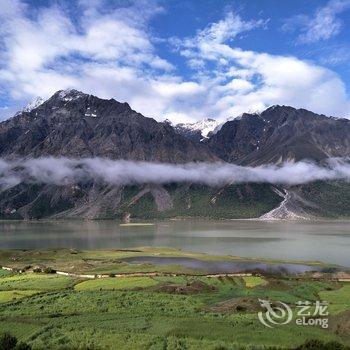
[
  {"x": 189, "y": 288},
  {"x": 340, "y": 324},
  {"x": 277, "y": 284},
  {"x": 243, "y": 304}
]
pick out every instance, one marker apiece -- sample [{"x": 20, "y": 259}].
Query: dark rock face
[
  {"x": 193, "y": 135},
  {"x": 74, "y": 124},
  {"x": 281, "y": 133}
]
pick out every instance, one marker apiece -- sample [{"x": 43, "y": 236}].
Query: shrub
[
  {"x": 7, "y": 341},
  {"x": 23, "y": 346},
  {"x": 37, "y": 270},
  {"x": 49, "y": 270},
  {"x": 319, "y": 345}
]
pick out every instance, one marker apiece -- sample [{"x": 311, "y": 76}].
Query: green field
[
  {"x": 48, "y": 311},
  {"x": 253, "y": 281},
  {"x": 5, "y": 273},
  {"x": 339, "y": 299},
  {"x": 110, "y": 261},
  {"x": 116, "y": 283},
  {"x": 10, "y": 295},
  {"x": 32, "y": 281}
]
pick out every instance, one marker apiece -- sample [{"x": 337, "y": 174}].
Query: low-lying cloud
[{"x": 65, "y": 171}]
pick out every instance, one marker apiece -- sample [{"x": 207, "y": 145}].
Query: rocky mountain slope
[
  {"x": 281, "y": 133},
  {"x": 74, "y": 124},
  {"x": 99, "y": 201}
]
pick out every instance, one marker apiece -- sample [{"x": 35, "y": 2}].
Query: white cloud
[
  {"x": 106, "y": 50},
  {"x": 322, "y": 25},
  {"x": 110, "y": 51},
  {"x": 63, "y": 171},
  {"x": 250, "y": 81},
  {"x": 227, "y": 29},
  {"x": 45, "y": 50}
]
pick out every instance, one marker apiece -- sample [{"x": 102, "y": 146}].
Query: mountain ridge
[
  {"x": 74, "y": 124},
  {"x": 78, "y": 125},
  {"x": 281, "y": 133}
]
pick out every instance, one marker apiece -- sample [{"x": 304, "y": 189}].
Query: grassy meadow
[{"x": 48, "y": 311}]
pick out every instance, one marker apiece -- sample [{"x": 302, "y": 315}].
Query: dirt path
[
  {"x": 136, "y": 274},
  {"x": 151, "y": 274},
  {"x": 156, "y": 274}
]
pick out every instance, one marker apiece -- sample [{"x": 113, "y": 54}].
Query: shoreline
[
  {"x": 144, "y": 261},
  {"x": 171, "y": 219}
]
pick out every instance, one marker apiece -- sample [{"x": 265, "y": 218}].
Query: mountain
[
  {"x": 281, "y": 133},
  {"x": 32, "y": 105},
  {"x": 74, "y": 124},
  {"x": 94, "y": 200},
  {"x": 197, "y": 131}
]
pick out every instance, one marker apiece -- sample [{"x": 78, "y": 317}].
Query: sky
[{"x": 182, "y": 60}]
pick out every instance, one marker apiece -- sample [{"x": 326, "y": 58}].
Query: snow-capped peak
[
  {"x": 168, "y": 121},
  {"x": 70, "y": 94},
  {"x": 34, "y": 104},
  {"x": 205, "y": 126}
]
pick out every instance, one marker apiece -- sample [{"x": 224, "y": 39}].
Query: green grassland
[
  {"x": 110, "y": 261},
  {"x": 10, "y": 295},
  {"x": 49, "y": 311},
  {"x": 116, "y": 283},
  {"x": 339, "y": 299},
  {"x": 5, "y": 273},
  {"x": 91, "y": 315},
  {"x": 32, "y": 281},
  {"x": 253, "y": 281}
]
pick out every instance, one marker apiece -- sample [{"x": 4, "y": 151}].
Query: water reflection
[{"x": 323, "y": 240}]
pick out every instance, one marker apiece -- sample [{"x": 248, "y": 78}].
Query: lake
[
  {"x": 217, "y": 266},
  {"x": 327, "y": 241}
]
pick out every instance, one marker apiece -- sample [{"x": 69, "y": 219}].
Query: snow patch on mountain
[
  {"x": 32, "y": 105},
  {"x": 204, "y": 126},
  {"x": 70, "y": 94}
]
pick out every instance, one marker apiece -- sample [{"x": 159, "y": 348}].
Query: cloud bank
[{"x": 66, "y": 171}]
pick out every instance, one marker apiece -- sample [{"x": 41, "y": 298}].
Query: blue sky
[{"x": 182, "y": 60}]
